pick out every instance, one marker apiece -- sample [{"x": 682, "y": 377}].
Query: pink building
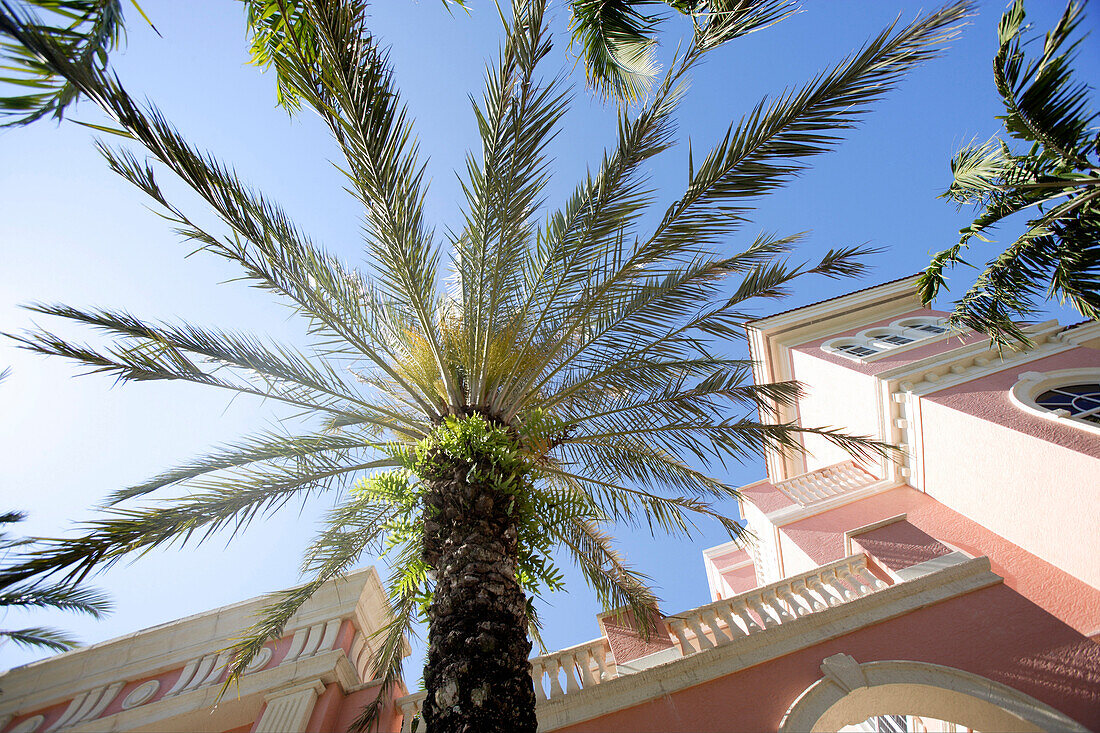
[{"x": 952, "y": 585}]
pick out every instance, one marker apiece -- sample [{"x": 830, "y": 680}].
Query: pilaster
[{"x": 288, "y": 710}]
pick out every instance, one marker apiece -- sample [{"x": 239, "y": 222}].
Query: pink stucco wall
[
  {"x": 1032, "y": 480},
  {"x": 899, "y": 545},
  {"x": 994, "y": 632},
  {"x": 988, "y": 398},
  {"x": 1077, "y": 603},
  {"x": 626, "y": 644},
  {"x": 740, "y": 579}
]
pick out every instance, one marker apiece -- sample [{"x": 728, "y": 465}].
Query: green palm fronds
[
  {"x": 38, "y": 595},
  {"x": 1055, "y": 179}
]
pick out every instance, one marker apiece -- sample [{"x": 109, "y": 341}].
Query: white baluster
[
  {"x": 678, "y": 627},
  {"x": 742, "y": 611},
  {"x": 537, "y": 670},
  {"x": 601, "y": 662},
  {"x": 700, "y": 635},
  {"x": 864, "y": 573},
  {"x": 858, "y": 586},
  {"x": 771, "y": 598},
  {"x": 755, "y": 602},
  {"x": 552, "y": 668},
  {"x": 794, "y": 601},
  {"x": 710, "y": 615},
  {"x": 837, "y": 584},
  {"x": 569, "y": 664},
  {"x": 819, "y": 584},
  {"x": 584, "y": 666},
  {"x": 732, "y": 627},
  {"x": 810, "y": 601}
]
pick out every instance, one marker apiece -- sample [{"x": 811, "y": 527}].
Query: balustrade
[
  {"x": 825, "y": 482},
  {"x": 579, "y": 667},
  {"x": 773, "y": 605},
  {"x": 582, "y": 666}
]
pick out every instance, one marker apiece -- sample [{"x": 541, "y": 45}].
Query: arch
[
  {"x": 903, "y": 333},
  {"x": 851, "y": 692}
]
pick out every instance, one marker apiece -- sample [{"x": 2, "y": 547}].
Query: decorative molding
[
  {"x": 141, "y": 694},
  {"x": 191, "y": 710},
  {"x": 288, "y": 710},
  {"x": 921, "y": 688},
  {"x": 358, "y": 595},
  {"x": 259, "y": 661},
  {"x": 87, "y": 706},
  {"x": 844, "y": 672},
  {"x": 29, "y": 725}
]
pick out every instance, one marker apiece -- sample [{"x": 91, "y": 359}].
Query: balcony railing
[
  {"x": 587, "y": 665},
  {"x": 582, "y": 666},
  {"x": 819, "y": 485},
  {"x": 772, "y": 605}
]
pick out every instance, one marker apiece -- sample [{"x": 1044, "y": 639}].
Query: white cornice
[{"x": 905, "y": 288}]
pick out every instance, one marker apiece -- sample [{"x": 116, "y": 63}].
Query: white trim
[
  {"x": 791, "y": 514},
  {"x": 850, "y": 692},
  {"x": 1030, "y": 385},
  {"x": 871, "y": 336}
]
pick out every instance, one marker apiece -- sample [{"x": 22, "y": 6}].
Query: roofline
[{"x": 762, "y": 322}]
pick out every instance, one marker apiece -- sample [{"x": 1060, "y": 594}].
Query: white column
[{"x": 288, "y": 710}]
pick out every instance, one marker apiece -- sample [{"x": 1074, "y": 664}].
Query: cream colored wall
[
  {"x": 1039, "y": 495},
  {"x": 835, "y": 396},
  {"x": 795, "y": 559}
]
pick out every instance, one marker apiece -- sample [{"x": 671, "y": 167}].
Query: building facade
[
  {"x": 168, "y": 678},
  {"x": 952, "y": 584}
]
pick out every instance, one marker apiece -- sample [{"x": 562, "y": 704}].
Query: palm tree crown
[{"x": 542, "y": 374}]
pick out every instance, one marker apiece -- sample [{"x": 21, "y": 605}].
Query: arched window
[
  {"x": 898, "y": 334},
  {"x": 1069, "y": 394},
  {"x": 1081, "y": 401},
  {"x": 857, "y": 350}
]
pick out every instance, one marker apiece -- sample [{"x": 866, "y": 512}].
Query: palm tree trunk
[{"x": 477, "y": 676}]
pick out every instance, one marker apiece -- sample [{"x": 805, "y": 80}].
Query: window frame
[
  {"x": 1029, "y": 385},
  {"x": 874, "y": 338}
]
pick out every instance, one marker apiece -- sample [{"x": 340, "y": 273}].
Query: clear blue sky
[{"x": 72, "y": 232}]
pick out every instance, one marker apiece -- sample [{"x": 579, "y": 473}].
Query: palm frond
[
  {"x": 88, "y": 30},
  {"x": 40, "y": 637}
]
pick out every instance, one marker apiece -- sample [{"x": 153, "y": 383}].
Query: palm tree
[
  {"x": 566, "y": 372},
  {"x": 1056, "y": 179},
  {"x": 42, "y": 595}
]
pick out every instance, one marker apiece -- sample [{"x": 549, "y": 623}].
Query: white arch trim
[
  {"x": 1030, "y": 385},
  {"x": 872, "y": 338},
  {"x": 851, "y": 692}
]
